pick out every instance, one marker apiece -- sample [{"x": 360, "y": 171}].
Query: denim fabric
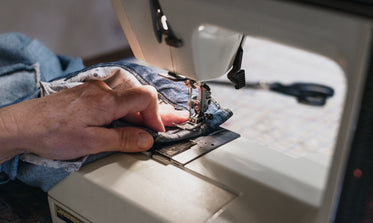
[
  {"x": 16, "y": 48},
  {"x": 45, "y": 175},
  {"x": 24, "y": 62},
  {"x": 18, "y": 81}
]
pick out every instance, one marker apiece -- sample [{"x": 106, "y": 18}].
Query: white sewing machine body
[{"x": 240, "y": 181}]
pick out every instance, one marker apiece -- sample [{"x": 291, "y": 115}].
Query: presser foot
[
  {"x": 194, "y": 122},
  {"x": 190, "y": 125},
  {"x": 198, "y": 104}
]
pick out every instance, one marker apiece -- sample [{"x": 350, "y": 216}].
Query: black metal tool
[{"x": 305, "y": 92}]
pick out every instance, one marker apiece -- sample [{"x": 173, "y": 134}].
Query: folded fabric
[{"x": 45, "y": 173}]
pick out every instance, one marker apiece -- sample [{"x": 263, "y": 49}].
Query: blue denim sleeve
[
  {"x": 23, "y": 63},
  {"x": 17, "y": 48}
]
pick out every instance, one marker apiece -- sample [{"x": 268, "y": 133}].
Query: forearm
[
  {"x": 71, "y": 123},
  {"x": 9, "y": 140}
]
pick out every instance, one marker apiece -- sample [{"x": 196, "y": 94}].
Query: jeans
[{"x": 65, "y": 72}]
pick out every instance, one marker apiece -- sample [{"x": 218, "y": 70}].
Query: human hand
[{"x": 71, "y": 123}]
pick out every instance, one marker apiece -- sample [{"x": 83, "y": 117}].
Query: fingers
[
  {"x": 169, "y": 116},
  {"x": 126, "y": 139},
  {"x": 142, "y": 100},
  {"x": 137, "y": 105}
]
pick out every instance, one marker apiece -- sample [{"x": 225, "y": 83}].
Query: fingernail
[{"x": 144, "y": 140}]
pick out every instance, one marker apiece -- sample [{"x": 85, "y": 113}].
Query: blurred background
[{"x": 84, "y": 28}]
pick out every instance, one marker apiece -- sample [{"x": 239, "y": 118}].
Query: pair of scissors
[{"x": 305, "y": 92}]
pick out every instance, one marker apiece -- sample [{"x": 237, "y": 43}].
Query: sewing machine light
[{"x": 210, "y": 44}]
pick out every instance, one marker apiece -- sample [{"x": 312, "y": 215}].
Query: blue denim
[{"x": 174, "y": 93}]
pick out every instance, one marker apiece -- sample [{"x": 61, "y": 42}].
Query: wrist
[{"x": 9, "y": 137}]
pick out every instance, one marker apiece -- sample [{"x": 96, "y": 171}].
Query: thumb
[{"x": 124, "y": 139}]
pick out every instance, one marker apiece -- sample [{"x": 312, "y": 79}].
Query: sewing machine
[{"x": 240, "y": 181}]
